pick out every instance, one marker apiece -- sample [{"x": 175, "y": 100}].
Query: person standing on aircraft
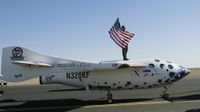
[
  {"x": 124, "y": 49},
  {"x": 121, "y": 37}
]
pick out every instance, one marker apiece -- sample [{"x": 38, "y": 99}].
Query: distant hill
[{"x": 195, "y": 71}]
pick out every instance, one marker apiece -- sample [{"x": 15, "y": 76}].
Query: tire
[{"x": 109, "y": 100}]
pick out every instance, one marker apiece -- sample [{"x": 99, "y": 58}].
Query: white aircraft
[{"x": 19, "y": 64}]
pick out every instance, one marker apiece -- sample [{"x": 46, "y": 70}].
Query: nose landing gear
[
  {"x": 164, "y": 95},
  {"x": 109, "y": 97}
]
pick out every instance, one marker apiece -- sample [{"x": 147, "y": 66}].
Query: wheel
[
  {"x": 165, "y": 96},
  {"x": 1, "y": 92},
  {"x": 109, "y": 100},
  {"x": 109, "y": 97}
]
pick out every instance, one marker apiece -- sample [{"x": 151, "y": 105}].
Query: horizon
[{"x": 75, "y": 30}]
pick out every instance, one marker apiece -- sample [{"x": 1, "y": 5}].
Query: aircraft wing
[
  {"x": 31, "y": 63},
  {"x": 133, "y": 65},
  {"x": 118, "y": 65}
]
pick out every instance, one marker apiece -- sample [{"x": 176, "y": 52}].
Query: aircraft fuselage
[{"x": 156, "y": 73}]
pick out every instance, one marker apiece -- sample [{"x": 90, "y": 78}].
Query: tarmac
[{"x": 184, "y": 97}]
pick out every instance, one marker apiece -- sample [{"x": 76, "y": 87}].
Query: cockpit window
[
  {"x": 151, "y": 65},
  {"x": 157, "y": 60},
  {"x": 181, "y": 67},
  {"x": 170, "y": 67},
  {"x": 162, "y": 66},
  {"x": 169, "y": 62}
]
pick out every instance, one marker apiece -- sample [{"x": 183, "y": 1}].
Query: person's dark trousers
[{"x": 124, "y": 53}]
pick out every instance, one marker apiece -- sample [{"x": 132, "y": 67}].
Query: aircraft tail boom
[{"x": 19, "y": 64}]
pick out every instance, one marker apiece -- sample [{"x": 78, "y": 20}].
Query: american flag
[{"x": 121, "y": 38}]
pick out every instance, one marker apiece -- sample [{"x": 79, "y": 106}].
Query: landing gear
[
  {"x": 109, "y": 97},
  {"x": 164, "y": 95},
  {"x": 1, "y": 92}
]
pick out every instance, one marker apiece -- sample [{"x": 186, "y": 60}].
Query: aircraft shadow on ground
[
  {"x": 193, "y": 110},
  {"x": 58, "y": 105},
  {"x": 62, "y": 105},
  {"x": 186, "y": 98}
]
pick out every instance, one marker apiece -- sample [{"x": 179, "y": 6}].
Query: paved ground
[{"x": 185, "y": 97}]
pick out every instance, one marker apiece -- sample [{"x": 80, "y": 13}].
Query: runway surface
[{"x": 184, "y": 97}]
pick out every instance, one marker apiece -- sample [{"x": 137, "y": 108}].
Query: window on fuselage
[
  {"x": 157, "y": 60},
  {"x": 146, "y": 71},
  {"x": 151, "y": 65},
  {"x": 170, "y": 67},
  {"x": 162, "y": 66}
]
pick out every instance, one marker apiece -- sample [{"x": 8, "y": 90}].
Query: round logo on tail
[{"x": 17, "y": 52}]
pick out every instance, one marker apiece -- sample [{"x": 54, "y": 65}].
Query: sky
[{"x": 78, "y": 29}]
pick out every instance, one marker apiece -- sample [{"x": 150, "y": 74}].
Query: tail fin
[{"x": 19, "y": 64}]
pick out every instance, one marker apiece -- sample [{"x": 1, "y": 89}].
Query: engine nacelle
[{"x": 49, "y": 79}]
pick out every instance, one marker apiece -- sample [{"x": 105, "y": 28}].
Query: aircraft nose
[
  {"x": 187, "y": 71},
  {"x": 184, "y": 72}
]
